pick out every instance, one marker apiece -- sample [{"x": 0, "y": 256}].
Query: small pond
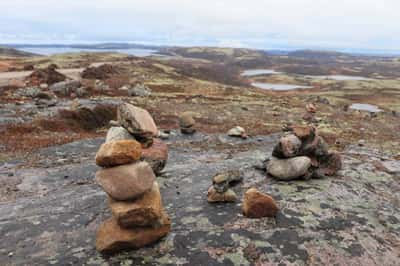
[
  {"x": 256, "y": 72},
  {"x": 339, "y": 77},
  {"x": 278, "y": 87},
  {"x": 365, "y": 107}
]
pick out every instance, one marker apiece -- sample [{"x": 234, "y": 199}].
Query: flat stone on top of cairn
[{"x": 129, "y": 158}]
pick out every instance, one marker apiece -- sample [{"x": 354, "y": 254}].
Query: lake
[
  {"x": 339, "y": 77},
  {"x": 278, "y": 87},
  {"x": 365, "y": 107},
  {"x": 61, "y": 50},
  {"x": 255, "y": 72}
]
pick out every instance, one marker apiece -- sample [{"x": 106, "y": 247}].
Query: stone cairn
[
  {"x": 302, "y": 154},
  {"x": 129, "y": 158},
  {"x": 221, "y": 189}
]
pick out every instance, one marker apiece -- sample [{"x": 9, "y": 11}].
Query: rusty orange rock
[
  {"x": 257, "y": 204},
  {"x": 118, "y": 153},
  {"x": 112, "y": 238}
]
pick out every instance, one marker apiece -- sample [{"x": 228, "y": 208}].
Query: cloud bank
[{"x": 369, "y": 24}]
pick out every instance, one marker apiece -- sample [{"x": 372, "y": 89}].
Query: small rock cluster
[
  {"x": 187, "y": 123},
  {"x": 221, "y": 190},
  {"x": 127, "y": 157},
  {"x": 302, "y": 153}
]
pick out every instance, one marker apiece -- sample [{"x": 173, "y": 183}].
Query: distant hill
[
  {"x": 315, "y": 54},
  {"x": 11, "y": 52},
  {"x": 99, "y": 46},
  {"x": 213, "y": 53}
]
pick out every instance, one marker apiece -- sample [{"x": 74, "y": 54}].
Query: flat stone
[
  {"x": 118, "y": 152},
  {"x": 144, "y": 211},
  {"x": 156, "y": 155},
  {"x": 118, "y": 133},
  {"x": 257, "y": 204},
  {"x": 137, "y": 121},
  {"x": 214, "y": 196},
  {"x": 126, "y": 182},
  {"x": 112, "y": 238},
  {"x": 288, "y": 169}
]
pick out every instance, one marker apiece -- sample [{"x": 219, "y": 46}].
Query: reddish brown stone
[
  {"x": 112, "y": 238},
  {"x": 257, "y": 204},
  {"x": 144, "y": 211}
]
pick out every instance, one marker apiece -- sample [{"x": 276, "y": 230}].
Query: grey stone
[
  {"x": 139, "y": 90},
  {"x": 288, "y": 169},
  {"x": 118, "y": 133}
]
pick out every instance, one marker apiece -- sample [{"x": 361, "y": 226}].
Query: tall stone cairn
[{"x": 131, "y": 157}]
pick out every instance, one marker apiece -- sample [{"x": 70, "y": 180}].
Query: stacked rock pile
[
  {"x": 221, "y": 190},
  {"x": 127, "y": 157},
  {"x": 302, "y": 153}
]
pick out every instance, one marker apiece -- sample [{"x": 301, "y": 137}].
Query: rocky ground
[
  {"x": 349, "y": 219},
  {"x": 50, "y": 206}
]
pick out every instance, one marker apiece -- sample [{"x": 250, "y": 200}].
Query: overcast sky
[{"x": 373, "y": 24}]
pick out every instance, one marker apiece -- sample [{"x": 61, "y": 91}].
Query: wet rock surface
[{"x": 351, "y": 218}]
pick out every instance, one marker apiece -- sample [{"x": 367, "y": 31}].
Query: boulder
[
  {"x": 330, "y": 164},
  {"x": 316, "y": 147},
  {"x": 186, "y": 120},
  {"x": 65, "y": 88},
  {"x": 288, "y": 146},
  {"x": 144, "y": 211},
  {"x": 126, "y": 182},
  {"x": 214, "y": 196},
  {"x": 137, "y": 121},
  {"x": 289, "y": 169},
  {"x": 257, "y": 204},
  {"x": 156, "y": 155},
  {"x": 118, "y": 152},
  {"x": 112, "y": 238},
  {"x": 303, "y": 132},
  {"x": 139, "y": 90},
  {"x": 118, "y": 133}
]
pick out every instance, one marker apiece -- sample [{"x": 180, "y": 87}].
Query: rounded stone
[
  {"x": 288, "y": 169},
  {"x": 257, "y": 204}
]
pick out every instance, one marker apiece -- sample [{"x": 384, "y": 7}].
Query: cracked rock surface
[{"x": 351, "y": 218}]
